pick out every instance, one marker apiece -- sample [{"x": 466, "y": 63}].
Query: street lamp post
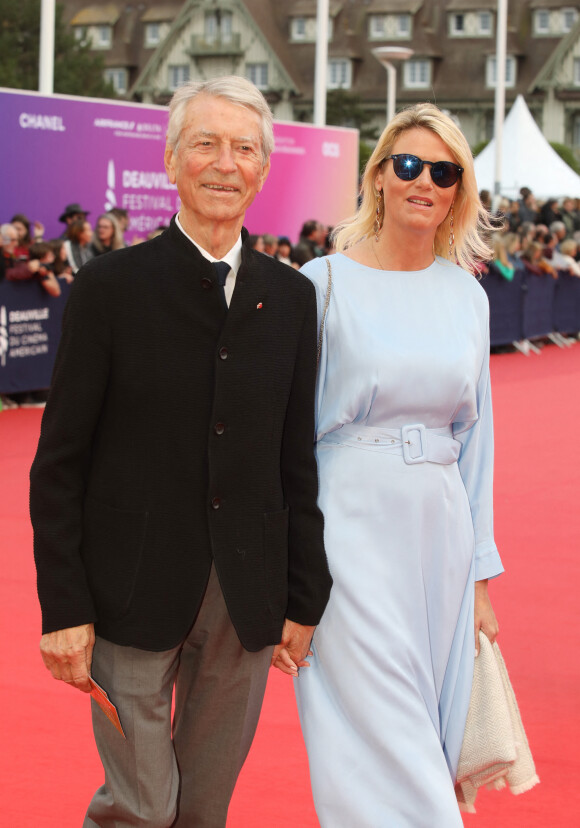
[{"x": 386, "y": 55}]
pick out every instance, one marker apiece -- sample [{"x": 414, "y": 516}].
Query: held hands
[
  {"x": 290, "y": 654},
  {"x": 68, "y": 655},
  {"x": 484, "y": 616}
]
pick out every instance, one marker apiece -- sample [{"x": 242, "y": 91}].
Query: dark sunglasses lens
[
  {"x": 407, "y": 167},
  {"x": 444, "y": 173}
]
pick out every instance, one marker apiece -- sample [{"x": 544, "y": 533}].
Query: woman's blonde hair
[{"x": 470, "y": 218}]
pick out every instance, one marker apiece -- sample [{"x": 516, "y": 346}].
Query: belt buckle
[{"x": 405, "y": 436}]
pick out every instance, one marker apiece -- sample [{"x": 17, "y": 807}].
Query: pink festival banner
[{"x": 58, "y": 150}]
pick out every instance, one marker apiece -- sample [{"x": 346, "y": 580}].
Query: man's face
[{"x": 217, "y": 165}]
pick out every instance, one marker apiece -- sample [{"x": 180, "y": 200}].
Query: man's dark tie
[{"x": 222, "y": 269}]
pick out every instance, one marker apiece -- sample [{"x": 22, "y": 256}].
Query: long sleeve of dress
[{"x": 476, "y": 468}]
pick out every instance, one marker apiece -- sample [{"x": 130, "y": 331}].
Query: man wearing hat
[{"x": 70, "y": 213}]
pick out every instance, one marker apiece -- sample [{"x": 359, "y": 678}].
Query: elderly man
[{"x": 174, "y": 489}]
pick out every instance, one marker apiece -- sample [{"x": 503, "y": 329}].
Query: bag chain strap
[{"x": 325, "y": 309}]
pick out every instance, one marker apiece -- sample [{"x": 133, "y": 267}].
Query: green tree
[
  {"x": 77, "y": 70},
  {"x": 566, "y": 154},
  {"x": 344, "y": 109}
]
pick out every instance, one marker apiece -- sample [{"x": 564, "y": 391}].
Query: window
[
  {"x": 178, "y": 75},
  {"x": 576, "y": 132},
  {"x": 485, "y": 23},
  {"x": 339, "y": 74},
  {"x": 542, "y": 20},
  {"x": 80, "y": 33},
  {"x": 510, "y": 71},
  {"x": 417, "y": 73},
  {"x": 457, "y": 24},
  {"x": 118, "y": 79},
  {"x": 376, "y": 27},
  {"x": 104, "y": 37},
  {"x": 403, "y": 25},
  {"x": 257, "y": 73},
  {"x": 211, "y": 28},
  {"x": 298, "y": 28},
  {"x": 576, "y": 76},
  {"x": 226, "y": 28},
  {"x": 152, "y": 34},
  {"x": 218, "y": 27},
  {"x": 569, "y": 17}
]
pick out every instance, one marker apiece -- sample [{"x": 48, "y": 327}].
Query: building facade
[{"x": 150, "y": 48}]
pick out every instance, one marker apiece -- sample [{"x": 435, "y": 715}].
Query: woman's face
[
  {"x": 104, "y": 230},
  {"x": 87, "y": 233},
  {"x": 20, "y": 229},
  {"x": 419, "y": 205},
  {"x": 259, "y": 244}
]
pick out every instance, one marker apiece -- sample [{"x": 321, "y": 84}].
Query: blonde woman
[{"x": 405, "y": 452}]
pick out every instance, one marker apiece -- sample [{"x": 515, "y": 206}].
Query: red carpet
[{"x": 49, "y": 766}]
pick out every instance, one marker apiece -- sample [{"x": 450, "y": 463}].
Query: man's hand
[
  {"x": 68, "y": 655},
  {"x": 290, "y": 654}
]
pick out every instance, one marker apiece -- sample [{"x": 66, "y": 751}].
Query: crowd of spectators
[
  {"x": 25, "y": 254},
  {"x": 542, "y": 237}
]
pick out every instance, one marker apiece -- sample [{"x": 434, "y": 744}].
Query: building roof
[{"x": 96, "y": 15}]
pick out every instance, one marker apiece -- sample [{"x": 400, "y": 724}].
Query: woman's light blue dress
[{"x": 384, "y": 702}]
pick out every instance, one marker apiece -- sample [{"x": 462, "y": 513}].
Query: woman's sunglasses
[{"x": 408, "y": 167}]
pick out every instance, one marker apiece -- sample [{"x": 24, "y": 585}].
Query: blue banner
[{"x": 30, "y": 322}]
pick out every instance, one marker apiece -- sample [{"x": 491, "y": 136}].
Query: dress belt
[{"x": 415, "y": 442}]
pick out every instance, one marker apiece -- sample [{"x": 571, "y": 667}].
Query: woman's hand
[{"x": 484, "y": 616}]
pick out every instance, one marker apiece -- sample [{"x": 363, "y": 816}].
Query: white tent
[{"x": 527, "y": 160}]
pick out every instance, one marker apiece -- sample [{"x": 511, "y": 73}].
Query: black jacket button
[
  {"x": 206, "y": 283},
  {"x": 216, "y": 503},
  {"x": 223, "y": 353},
  {"x": 219, "y": 428}
]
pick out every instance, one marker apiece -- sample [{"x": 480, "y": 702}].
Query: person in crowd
[
  {"x": 534, "y": 260},
  {"x": 108, "y": 235},
  {"x": 567, "y": 257},
  {"x": 526, "y": 232},
  {"x": 570, "y": 216},
  {"x": 256, "y": 242},
  {"x": 405, "y": 448},
  {"x": 13, "y": 267},
  {"x": 528, "y": 206},
  {"x": 311, "y": 243},
  {"x": 559, "y": 231},
  {"x": 270, "y": 244},
  {"x": 284, "y": 251},
  {"x": 180, "y": 547},
  {"x": 122, "y": 217},
  {"x": 61, "y": 267},
  {"x": 78, "y": 244},
  {"x": 550, "y": 211},
  {"x": 42, "y": 253},
  {"x": 71, "y": 213},
  {"x": 501, "y": 259},
  {"x": 26, "y": 235},
  {"x": 513, "y": 247},
  {"x": 513, "y": 216}
]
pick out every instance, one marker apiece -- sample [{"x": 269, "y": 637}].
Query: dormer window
[
  {"x": 403, "y": 25},
  {"x": 569, "y": 18},
  {"x": 298, "y": 28},
  {"x": 104, "y": 37},
  {"x": 457, "y": 24},
  {"x": 484, "y": 23},
  {"x": 152, "y": 34},
  {"x": 542, "y": 21}
]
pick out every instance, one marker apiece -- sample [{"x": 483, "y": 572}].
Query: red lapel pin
[{"x": 259, "y": 305}]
